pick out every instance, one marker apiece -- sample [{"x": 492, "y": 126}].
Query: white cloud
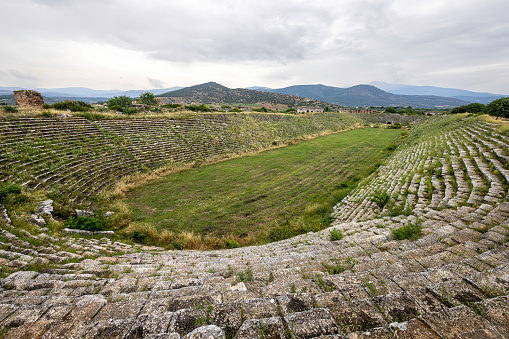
[
  {"x": 155, "y": 83},
  {"x": 266, "y": 42}
]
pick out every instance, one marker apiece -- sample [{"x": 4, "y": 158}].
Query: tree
[
  {"x": 470, "y": 108},
  {"x": 390, "y": 110},
  {"x": 147, "y": 98},
  {"x": 122, "y": 101},
  {"x": 498, "y": 108}
]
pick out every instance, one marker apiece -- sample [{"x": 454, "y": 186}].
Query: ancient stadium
[{"x": 418, "y": 249}]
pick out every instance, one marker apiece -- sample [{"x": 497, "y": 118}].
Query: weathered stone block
[
  {"x": 312, "y": 323},
  {"x": 27, "y": 98}
]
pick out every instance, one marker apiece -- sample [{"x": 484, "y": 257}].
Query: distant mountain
[
  {"x": 366, "y": 95},
  {"x": 214, "y": 93},
  {"x": 260, "y": 88},
  {"x": 84, "y": 92},
  {"x": 461, "y": 94}
]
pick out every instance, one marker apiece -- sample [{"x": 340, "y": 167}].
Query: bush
[
  {"x": 198, "y": 108},
  {"x": 138, "y": 236},
  {"x": 230, "y": 243},
  {"x": 129, "y": 110},
  {"x": 280, "y": 232},
  {"x": 6, "y": 189},
  {"x": 381, "y": 198},
  {"x": 410, "y": 231},
  {"x": 334, "y": 268},
  {"x": 62, "y": 212},
  {"x": 177, "y": 245},
  {"x": 246, "y": 275},
  {"x": 391, "y": 147},
  {"x": 74, "y": 106},
  {"x": 171, "y": 106},
  {"x": 85, "y": 223},
  {"x": 10, "y": 109},
  {"x": 93, "y": 116},
  {"x": 394, "y": 126},
  {"x": 123, "y": 101},
  {"x": 336, "y": 234}
]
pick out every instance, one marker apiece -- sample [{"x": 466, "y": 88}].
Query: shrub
[
  {"x": 171, "y": 106},
  {"x": 61, "y": 211},
  {"x": 410, "y": 231},
  {"x": 46, "y": 114},
  {"x": 177, "y": 245},
  {"x": 6, "y": 189},
  {"x": 334, "y": 268},
  {"x": 10, "y": 109},
  {"x": 93, "y": 116},
  {"x": 138, "y": 236},
  {"x": 129, "y": 110},
  {"x": 198, "y": 108},
  {"x": 85, "y": 223},
  {"x": 246, "y": 275},
  {"x": 280, "y": 232},
  {"x": 391, "y": 147},
  {"x": 74, "y": 106},
  {"x": 336, "y": 234},
  {"x": 122, "y": 101},
  {"x": 381, "y": 198},
  {"x": 230, "y": 243}
]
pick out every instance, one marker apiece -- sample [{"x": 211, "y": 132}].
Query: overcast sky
[{"x": 134, "y": 44}]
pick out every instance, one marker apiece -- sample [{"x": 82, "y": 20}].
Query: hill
[
  {"x": 214, "y": 93},
  {"x": 367, "y": 95},
  {"x": 481, "y": 97}
]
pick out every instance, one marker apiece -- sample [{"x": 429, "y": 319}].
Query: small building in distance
[
  {"x": 28, "y": 98},
  {"x": 364, "y": 111},
  {"x": 309, "y": 110}
]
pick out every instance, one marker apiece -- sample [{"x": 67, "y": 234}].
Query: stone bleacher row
[
  {"x": 78, "y": 158},
  {"x": 453, "y": 282}
]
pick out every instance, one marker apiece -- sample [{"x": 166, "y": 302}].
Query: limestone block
[{"x": 27, "y": 98}]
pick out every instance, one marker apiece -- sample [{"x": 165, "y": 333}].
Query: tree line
[{"x": 498, "y": 108}]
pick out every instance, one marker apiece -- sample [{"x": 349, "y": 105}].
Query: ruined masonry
[
  {"x": 451, "y": 282},
  {"x": 27, "y": 98}
]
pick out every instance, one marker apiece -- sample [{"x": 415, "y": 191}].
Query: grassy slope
[{"x": 251, "y": 193}]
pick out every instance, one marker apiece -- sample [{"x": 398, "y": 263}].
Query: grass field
[{"x": 252, "y": 194}]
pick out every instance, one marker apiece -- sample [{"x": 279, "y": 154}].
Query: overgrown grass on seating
[{"x": 410, "y": 231}]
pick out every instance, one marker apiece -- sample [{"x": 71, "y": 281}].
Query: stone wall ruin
[{"x": 27, "y": 98}]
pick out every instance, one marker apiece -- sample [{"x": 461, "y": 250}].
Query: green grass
[
  {"x": 255, "y": 193},
  {"x": 410, "y": 231}
]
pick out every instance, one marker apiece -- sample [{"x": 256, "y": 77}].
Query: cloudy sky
[{"x": 134, "y": 44}]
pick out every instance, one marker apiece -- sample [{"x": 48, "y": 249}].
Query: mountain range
[
  {"x": 481, "y": 97},
  {"x": 360, "y": 95},
  {"x": 377, "y": 93}
]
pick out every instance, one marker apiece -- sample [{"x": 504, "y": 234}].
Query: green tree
[
  {"x": 123, "y": 101},
  {"x": 474, "y": 107},
  {"x": 147, "y": 98},
  {"x": 498, "y": 108},
  {"x": 390, "y": 110}
]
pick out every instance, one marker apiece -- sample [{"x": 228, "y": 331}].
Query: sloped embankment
[{"x": 77, "y": 158}]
